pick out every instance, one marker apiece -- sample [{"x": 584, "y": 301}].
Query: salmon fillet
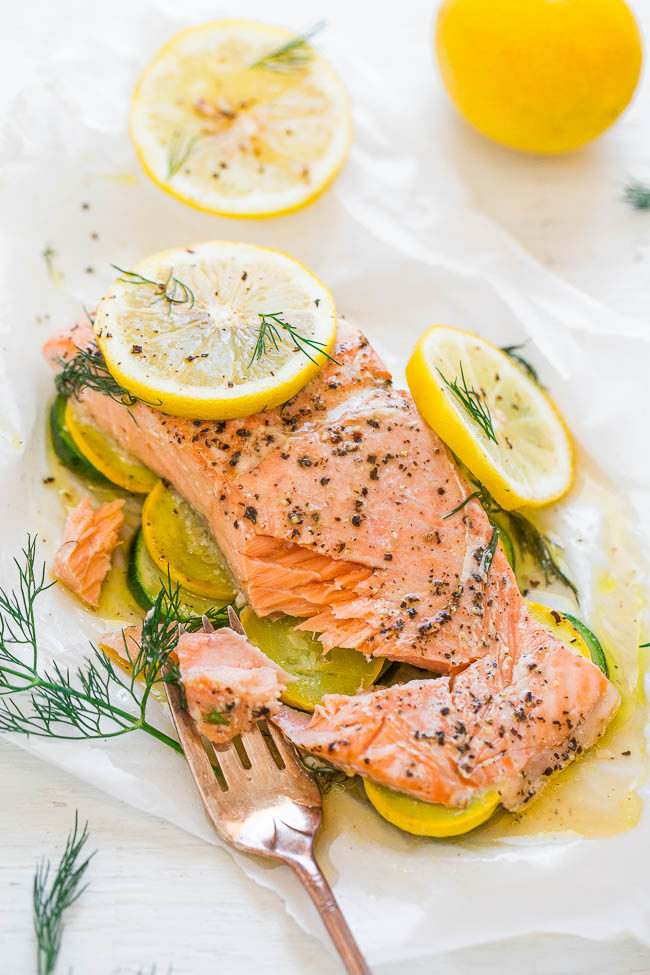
[
  {"x": 228, "y": 682},
  {"x": 377, "y": 567},
  {"x": 502, "y": 724},
  {"x": 89, "y": 538},
  {"x": 340, "y": 508}
]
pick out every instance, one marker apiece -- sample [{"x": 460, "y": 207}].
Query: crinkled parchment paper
[{"x": 397, "y": 242}]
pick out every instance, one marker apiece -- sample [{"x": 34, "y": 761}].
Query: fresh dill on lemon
[
  {"x": 294, "y": 54},
  {"x": 172, "y": 290},
  {"x": 179, "y": 152},
  {"x": 271, "y": 331},
  {"x": 472, "y": 402}
]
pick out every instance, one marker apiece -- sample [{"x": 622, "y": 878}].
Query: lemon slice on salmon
[
  {"x": 429, "y": 818},
  {"x": 494, "y": 417},
  {"x": 216, "y": 330},
  {"x": 240, "y": 119}
]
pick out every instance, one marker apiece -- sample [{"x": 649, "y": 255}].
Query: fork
[{"x": 272, "y": 808}]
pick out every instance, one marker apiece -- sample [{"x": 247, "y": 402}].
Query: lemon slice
[
  {"x": 510, "y": 435},
  {"x": 429, "y": 818},
  {"x": 222, "y": 126},
  {"x": 217, "y": 330},
  {"x": 106, "y": 455}
]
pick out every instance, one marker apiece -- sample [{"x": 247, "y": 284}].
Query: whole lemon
[{"x": 542, "y": 76}]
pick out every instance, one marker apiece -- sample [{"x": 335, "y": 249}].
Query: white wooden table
[{"x": 569, "y": 215}]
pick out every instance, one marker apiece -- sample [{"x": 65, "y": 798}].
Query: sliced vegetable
[
  {"x": 105, "y": 454},
  {"x": 181, "y": 545},
  {"x": 571, "y": 631},
  {"x": 66, "y": 449},
  {"x": 596, "y": 651},
  {"x": 145, "y": 581},
  {"x": 428, "y": 818},
  {"x": 301, "y": 654}
]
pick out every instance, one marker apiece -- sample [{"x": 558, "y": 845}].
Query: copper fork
[{"x": 272, "y": 808}]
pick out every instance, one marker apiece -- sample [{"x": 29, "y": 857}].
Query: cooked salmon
[
  {"x": 343, "y": 508},
  {"x": 125, "y": 643},
  {"x": 89, "y": 538},
  {"x": 228, "y": 682},
  {"x": 376, "y": 567},
  {"x": 506, "y": 723}
]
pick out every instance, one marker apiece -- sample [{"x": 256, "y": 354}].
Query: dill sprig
[
  {"x": 527, "y": 537},
  {"x": 532, "y": 542},
  {"x": 180, "y": 150},
  {"x": 459, "y": 507},
  {"x": 54, "y": 892},
  {"x": 88, "y": 370},
  {"x": 294, "y": 54},
  {"x": 513, "y": 352},
  {"x": 80, "y": 705},
  {"x": 216, "y": 717},
  {"x": 172, "y": 290},
  {"x": 489, "y": 551},
  {"x": 471, "y": 402},
  {"x": 637, "y": 194},
  {"x": 271, "y": 331},
  {"x": 327, "y": 776}
]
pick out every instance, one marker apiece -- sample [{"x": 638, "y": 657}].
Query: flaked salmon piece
[
  {"x": 125, "y": 643},
  {"x": 84, "y": 556},
  {"x": 228, "y": 682},
  {"x": 501, "y": 724}
]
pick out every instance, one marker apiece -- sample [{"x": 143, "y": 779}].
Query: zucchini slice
[
  {"x": 598, "y": 655},
  {"x": 338, "y": 672},
  {"x": 429, "y": 818},
  {"x": 145, "y": 581},
  {"x": 181, "y": 545},
  {"x": 571, "y": 631},
  {"x": 106, "y": 454},
  {"x": 66, "y": 449}
]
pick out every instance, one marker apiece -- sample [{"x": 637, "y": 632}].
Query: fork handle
[{"x": 321, "y": 894}]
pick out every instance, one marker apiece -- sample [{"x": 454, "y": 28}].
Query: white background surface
[{"x": 159, "y": 895}]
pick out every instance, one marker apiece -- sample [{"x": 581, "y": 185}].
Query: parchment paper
[{"x": 398, "y": 244}]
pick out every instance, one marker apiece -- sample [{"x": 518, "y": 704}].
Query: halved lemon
[
  {"x": 216, "y": 330},
  {"x": 240, "y": 119},
  {"x": 429, "y": 818},
  {"x": 499, "y": 422}
]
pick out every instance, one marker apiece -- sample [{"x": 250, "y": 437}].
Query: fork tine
[
  {"x": 257, "y": 749},
  {"x": 235, "y": 625},
  {"x": 234, "y": 772},
  {"x": 287, "y": 751}
]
